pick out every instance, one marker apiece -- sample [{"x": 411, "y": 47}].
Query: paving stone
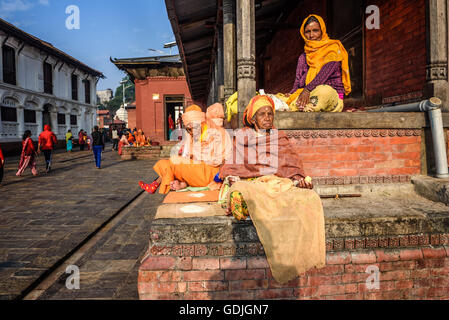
[{"x": 43, "y": 218}]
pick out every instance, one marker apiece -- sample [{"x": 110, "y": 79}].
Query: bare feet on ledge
[{"x": 177, "y": 185}]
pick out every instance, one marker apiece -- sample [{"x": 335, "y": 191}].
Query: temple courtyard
[
  {"x": 44, "y": 220},
  {"x": 99, "y": 221}
]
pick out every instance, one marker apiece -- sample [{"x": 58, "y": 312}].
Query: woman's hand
[
  {"x": 303, "y": 183},
  {"x": 303, "y": 99}
]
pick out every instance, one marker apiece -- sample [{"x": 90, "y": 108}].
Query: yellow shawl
[{"x": 319, "y": 53}]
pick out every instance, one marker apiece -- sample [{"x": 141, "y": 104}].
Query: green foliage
[{"x": 117, "y": 101}]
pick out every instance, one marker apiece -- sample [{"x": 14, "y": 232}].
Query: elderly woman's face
[
  {"x": 264, "y": 118},
  {"x": 313, "y": 32},
  {"x": 194, "y": 129}
]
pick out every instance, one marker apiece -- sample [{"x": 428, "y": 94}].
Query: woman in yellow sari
[{"x": 322, "y": 74}]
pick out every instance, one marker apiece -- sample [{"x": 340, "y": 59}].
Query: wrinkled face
[
  {"x": 194, "y": 129},
  {"x": 313, "y": 32},
  {"x": 218, "y": 121},
  {"x": 263, "y": 119}
]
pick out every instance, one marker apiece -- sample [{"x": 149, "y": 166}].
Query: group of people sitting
[
  {"x": 259, "y": 171},
  {"x": 136, "y": 138},
  {"x": 322, "y": 81}
]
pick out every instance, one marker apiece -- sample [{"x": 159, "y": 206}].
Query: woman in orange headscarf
[
  {"x": 205, "y": 149},
  {"x": 215, "y": 113},
  {"x": 322, "y": 74},
  {"x": 270, "y": 186},
  {"x": 140, "y": 139},
  {"x": 131, "y": 138}
]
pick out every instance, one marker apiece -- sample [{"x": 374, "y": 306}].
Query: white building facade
[{"x": 41, "y": 85}]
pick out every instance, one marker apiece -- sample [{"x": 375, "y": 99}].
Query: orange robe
[
  {"x": 195, "y": 174},
  {"x": 131, "y": 139},
  {"x": 216, "y": 146}
]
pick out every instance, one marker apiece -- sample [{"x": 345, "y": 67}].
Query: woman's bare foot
[{"x": 176, "y": 185}]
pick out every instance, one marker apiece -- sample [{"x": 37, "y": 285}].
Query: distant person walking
[
  {"x": 2, "y": 164},
  {"x": 28, "y": 156},
  {"x": 114, "y": 139},
  {"x": 69, "y": 140},
  {"x": 98, "y": 146},
  {"x": 81, "y": 140},
  {"x": 171, "y": 126},
  {"x": 47, "y": 142}
]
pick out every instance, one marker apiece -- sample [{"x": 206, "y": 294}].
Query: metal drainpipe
[{"x": 433, "y": 108}]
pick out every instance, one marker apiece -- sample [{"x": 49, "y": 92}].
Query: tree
[{"x": 117, "y": 101}]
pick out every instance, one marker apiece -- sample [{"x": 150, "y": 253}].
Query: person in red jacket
[
  {"x": 28, "y": 156},
  {"x": 2, "y": 163},
  {"x": 47, "y": 141}
]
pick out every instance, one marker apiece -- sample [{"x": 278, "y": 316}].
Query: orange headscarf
[
  {"x": 193, "y": 114},
  {"x": 215, "y": 114},
  {"x": 254, "y": 105},
  {"x": 319, "y": 53}
]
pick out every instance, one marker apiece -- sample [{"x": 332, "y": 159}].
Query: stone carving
[
  {"x": 436, "y": 72},
  {"x": 323, "y": 134},
  {"x": 246, "y": 69}
]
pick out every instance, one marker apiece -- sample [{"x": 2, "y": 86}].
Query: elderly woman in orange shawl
[
  {"x": 322, "y": 74},
  {"x": 205, "y": 150},
  {"x": 271, "y": 187},
  {"x": 215, "y": 113}
]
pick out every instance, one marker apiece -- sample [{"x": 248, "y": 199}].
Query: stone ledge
[
  {"x": 355, "y": 120},
  {"x": 386, "y": 216}
]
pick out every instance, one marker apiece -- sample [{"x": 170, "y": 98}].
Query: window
[
  {"x": 74, "y": 87},
  {"x": 87, "y": 91},
  {"x": 9, "y": 65},
  {"x": 9, "y": 114},
  {"x": 48, "y": 78},
  {"x": 61, "y": 118},
  {"x": 73, "y": 120},
  {"x": 30, "y": 116}
]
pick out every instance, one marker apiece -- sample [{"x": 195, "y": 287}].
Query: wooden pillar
[
  {"x": 246, "y": 55},
  {"x": 220, "y": 80},
  {"x": 437, "y": 51},
  {"x": 229, "y": 48}
]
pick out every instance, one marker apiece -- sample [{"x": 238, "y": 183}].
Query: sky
[{"x": 108, "y": 28}]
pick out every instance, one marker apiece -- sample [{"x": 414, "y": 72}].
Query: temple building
[
  {"x": 229, "y": 45},
  {"x": 39, "y": 85},
  {"x": 161, "y": 90},
  {"x": 248, "y": 45}
]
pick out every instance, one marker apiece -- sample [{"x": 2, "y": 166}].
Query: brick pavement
[{"x": 43, "y": 218}]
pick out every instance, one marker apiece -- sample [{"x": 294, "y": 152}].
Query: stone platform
[
  {"x": 150, "y": 152},
  {"x": 390, "y": 227}
]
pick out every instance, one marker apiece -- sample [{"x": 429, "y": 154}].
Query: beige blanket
[{"x": 289, "y": 223}]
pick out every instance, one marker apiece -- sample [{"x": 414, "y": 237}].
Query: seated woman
[
  {"x": 215, "y": 113},
  {"x": 123, "y": 142},
  {"x": 141, "y": 140},
  {"x": 322, "y": 74},
  {"x": 205, "y": 149},
  {"x": 272, "y": 188},
  {"x": 131, "y": 139}
]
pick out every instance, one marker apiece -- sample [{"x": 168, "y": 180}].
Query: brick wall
[
  {"x": 359, "y": 156},
  {"x": 396, "y": 54},
  {"x": 415, "y": 273}
]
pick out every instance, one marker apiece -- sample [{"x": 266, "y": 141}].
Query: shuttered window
[{"x": 9, "y": 65}]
